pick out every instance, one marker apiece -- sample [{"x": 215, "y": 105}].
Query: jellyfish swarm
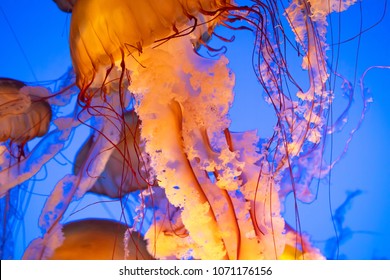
[{"x": 225, "y": 190}]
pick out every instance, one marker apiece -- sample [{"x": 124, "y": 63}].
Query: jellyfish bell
[
  {"x": 123, "y": 28},
  {"x": 23, "y": 116},
  {"x": 94, "y": 239},
  {"x": 125, "y": 171}
]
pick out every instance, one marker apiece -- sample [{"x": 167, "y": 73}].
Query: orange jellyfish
[
  {"x": 23, "y": 117},
  {"x": 28, "y": 111},
  {"x": 94, "y": 239},
  {"x": 222, "y": 193},
  {"x": 116, "y": 181}
]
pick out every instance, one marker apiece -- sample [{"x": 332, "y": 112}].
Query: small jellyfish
[
  {"x": 125, "y": 169},
  {"x": 23, "y": 116},
  {"x": 28, "y": 112}
]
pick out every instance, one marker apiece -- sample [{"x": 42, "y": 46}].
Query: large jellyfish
[{"x": 155, "y": 89}]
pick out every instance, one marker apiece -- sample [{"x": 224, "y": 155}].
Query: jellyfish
[
  {"x": 29, "y": 110},
  {"x": 94, "y": 239},
  {"x": 216, "y": 194},
  {"x": 113, "y": 182},
  {"x": 24, "y": 116}
]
